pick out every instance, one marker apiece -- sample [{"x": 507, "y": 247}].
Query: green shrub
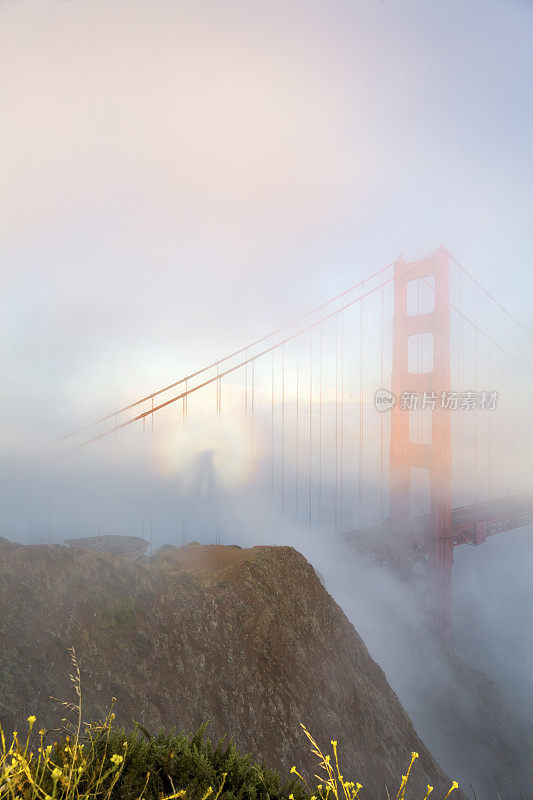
[{"x": 192, "y": 763}]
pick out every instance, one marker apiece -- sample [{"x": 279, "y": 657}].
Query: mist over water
[{"x": 493, "y": 616}]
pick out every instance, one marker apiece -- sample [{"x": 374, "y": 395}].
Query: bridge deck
[{"x": 396, "y": 540}]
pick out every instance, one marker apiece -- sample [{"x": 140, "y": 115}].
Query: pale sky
[{"x": 180, "y": 177}]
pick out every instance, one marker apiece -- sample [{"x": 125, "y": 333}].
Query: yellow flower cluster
[{"x": 334, "y": 787}]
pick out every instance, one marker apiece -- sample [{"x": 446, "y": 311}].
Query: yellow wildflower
[{"x": 454, "y": 785}]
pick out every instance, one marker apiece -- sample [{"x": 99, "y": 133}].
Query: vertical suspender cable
[
  {"x": 297, "y": 420},
  {"x": 310, "y": 426},
  {"x": 30, "y": 520},
  {"x": 360, "y": 486},
  {"x": 282, "y": 429},
  {"x": 272, "y": 430},
  {"x": 505, "y": 443},
  {"x": 50, "y": 507},
  {"x": 144, "y": 467},
  {"x": 476, "y": 483},
  {"x": 420, "y": 368},
  {"x": 246, "y": 383},
  {"x": 460, "y": 465},
  {"x": 219, "y": 394},
  {"x": 151, "y": 506},
  {"x": 342, "y": 419},
  {"x": 253, "y": 411},
  {"x": 512, "y": 430},
  {"x": 183, "y": 518},
  {"x": 115, "y": 460},
  {"x": 320, "y": 428},
  {"x": 381, "y": 420},
  {"x": 336, "y": 494},
  {"x": 502, "y": 437},
  {"x": 248, "y": 432},
  {"x": 490, "y": 415}
]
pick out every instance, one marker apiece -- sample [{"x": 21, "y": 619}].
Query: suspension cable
[
  {"x": 491, "y": 297},
  {"x": 218, "y": 377},
  {"x": 199, "y": 372}
]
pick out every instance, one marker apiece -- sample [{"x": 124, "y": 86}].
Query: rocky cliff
[{"x": 246, "y": 640}]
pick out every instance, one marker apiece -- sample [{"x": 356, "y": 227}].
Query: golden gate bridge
[{"x": 393, "y": 416}]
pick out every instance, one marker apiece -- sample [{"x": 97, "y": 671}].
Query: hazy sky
[{"x": 179, "y": 177}]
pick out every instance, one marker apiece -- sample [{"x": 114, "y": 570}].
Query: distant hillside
[{"x": 248, "y": 640}]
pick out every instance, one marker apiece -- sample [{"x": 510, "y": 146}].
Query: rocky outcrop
[{"x": 246, "y": 640}]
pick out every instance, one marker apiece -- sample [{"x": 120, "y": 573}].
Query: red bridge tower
[{"x": 435, "y": 456}]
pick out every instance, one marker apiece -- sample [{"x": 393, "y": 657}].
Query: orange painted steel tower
[{"x": 435, "y": 456}]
